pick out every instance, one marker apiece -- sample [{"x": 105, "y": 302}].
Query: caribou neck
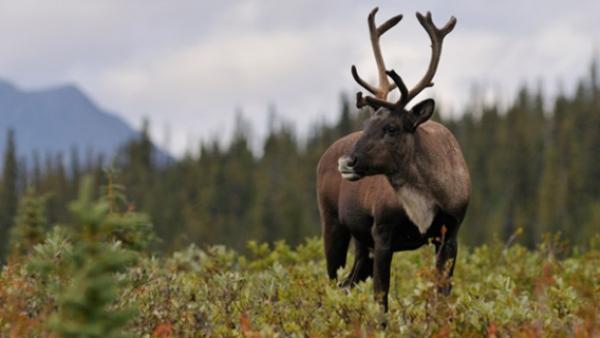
[{"x": 407, "y": 172}]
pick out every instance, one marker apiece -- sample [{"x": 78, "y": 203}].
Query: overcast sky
[{"x": 190, "y": 65}]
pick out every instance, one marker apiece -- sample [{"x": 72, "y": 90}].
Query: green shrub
[{"x": 84, "y": 281}]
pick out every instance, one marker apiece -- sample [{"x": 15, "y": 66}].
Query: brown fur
[
  {"x": 356, "y": 209},
  {"x": 399, "y": 183}
]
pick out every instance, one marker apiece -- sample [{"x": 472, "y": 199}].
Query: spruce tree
[
  {"x": 8, "y": 192},
  {"x": 30, "y": 224},
  {"x": 84, "y": 306}
]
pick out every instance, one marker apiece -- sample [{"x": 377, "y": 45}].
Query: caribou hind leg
[
  {"x": 362, "y": 268},
  {"x": 446, "y": 250}
]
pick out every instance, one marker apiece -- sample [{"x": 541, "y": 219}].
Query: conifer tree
[
  {"x": 344, "y": 125},
  {"x": 30, "y": 223},
  {"x": 84, "y": 306},
  {"x": 8, "y": 192}
]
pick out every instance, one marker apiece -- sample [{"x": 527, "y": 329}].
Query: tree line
[{"x": 534, "y": 170}]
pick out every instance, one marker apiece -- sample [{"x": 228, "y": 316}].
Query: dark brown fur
[
  {"x": 399, "y": 183},
  {"x": 369, "y": 211}
]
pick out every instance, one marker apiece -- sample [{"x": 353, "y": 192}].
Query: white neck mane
[{"x": 419, "y": 207}]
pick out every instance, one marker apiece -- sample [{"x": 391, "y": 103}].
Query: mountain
[{"x": 56, "y": 120}]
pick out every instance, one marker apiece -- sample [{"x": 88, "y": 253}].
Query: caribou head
[{"x": 387, "y": 142}]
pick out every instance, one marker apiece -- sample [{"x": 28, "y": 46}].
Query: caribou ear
[{"x": 420, "y": 113}]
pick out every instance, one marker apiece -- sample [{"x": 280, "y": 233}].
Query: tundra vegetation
[{"x": 95, "y": 278}]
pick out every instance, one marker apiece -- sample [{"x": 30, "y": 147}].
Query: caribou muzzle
[{"x": 347, "y": 167}]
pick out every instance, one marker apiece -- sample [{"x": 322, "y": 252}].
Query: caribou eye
[{"x": 391, "y": 130}]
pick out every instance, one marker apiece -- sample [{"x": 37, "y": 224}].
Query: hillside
[{"x": 56, "y": 119}]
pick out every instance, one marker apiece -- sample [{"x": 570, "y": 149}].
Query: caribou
[{"x": 398, "y": 184}]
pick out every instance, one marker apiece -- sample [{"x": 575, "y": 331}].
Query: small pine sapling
[{"x": 30, "y": 224}]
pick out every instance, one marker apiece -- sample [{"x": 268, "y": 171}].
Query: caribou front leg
[
  {"x": 336, "y": 238},
  {"x": 382, "y": 261}
]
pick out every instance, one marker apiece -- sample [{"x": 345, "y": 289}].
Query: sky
[{"x": 191, "y": 66}]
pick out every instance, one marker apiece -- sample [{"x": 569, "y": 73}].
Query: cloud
[{"x": 203, "y": 83}]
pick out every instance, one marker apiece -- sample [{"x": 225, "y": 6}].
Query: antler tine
[
  {"x": 391, "y": 22},
  {"x": 375, "y": 32},
  {"x": 401, "y": 86},
  {"x": 377, "y": 102},
  {"x": 380, "y": 31},
  {"x": 362, "y": 82},
  {"x": 360, "y": 101},
  {"x": 437, "y": 37}
]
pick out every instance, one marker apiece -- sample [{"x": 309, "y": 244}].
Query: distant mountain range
[{"x": 55, "y": 120}]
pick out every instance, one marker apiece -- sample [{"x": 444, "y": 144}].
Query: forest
[{"x": 533, "y": 165}]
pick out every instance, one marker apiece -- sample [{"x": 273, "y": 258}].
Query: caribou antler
[
  {"x": 375, "y": 32},
  {"x": 437, "y": 38}
]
